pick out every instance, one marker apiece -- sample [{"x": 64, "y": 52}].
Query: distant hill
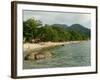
[
  {"x": 60, "y": 25},
  {"x": 74, "y": 27},
  {"x": 80, "y": 28}
]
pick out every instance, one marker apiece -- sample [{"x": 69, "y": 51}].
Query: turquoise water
[{"x": 70, "y": 55}]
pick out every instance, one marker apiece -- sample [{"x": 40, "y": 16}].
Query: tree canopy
[{"x": 34, "y": 29}]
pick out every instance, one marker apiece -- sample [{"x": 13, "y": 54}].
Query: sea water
[{"x": 68, "y": 55}]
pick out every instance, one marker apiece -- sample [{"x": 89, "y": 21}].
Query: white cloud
[{"x": 59, "y": 17}]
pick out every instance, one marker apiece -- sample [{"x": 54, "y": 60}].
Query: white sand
[{"x": 34, "y": 46}]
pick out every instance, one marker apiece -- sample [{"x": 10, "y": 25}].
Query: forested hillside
[{"x": 34, "y": 30}]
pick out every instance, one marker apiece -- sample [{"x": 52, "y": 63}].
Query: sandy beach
[{"x": 34, "y": 46}]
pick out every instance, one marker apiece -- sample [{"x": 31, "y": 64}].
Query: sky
[{"x": 68, "y": 18}]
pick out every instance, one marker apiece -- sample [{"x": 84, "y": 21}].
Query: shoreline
[{"x": 41, "y": 45}]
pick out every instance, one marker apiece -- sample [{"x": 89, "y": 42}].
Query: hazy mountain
[
  {"x": 75, "y": 27},
  {"x": 60, "y": 25},
  {"x": 80, "y": 28}
]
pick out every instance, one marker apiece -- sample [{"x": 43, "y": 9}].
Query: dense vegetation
[{"x": 35, "y": 31}]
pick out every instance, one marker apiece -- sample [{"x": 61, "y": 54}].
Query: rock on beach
[{"x": 38, "y": 55}]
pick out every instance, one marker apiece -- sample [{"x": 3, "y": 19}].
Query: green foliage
[
  {"x": 30, "y": 28},
  {"x": 33, "y": 29}
]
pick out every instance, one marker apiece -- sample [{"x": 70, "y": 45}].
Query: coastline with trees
[
  {"x": 34, "y": 31},
  {"x": 37, "y": 36}
]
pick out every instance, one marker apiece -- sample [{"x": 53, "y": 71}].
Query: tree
[
  {"x": 30, "y": 28},
  {"x": 46, "y": 33}
]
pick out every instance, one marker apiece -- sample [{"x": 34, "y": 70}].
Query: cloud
[{"x": 59, "y": 17}]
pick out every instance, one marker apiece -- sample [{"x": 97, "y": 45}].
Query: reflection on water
[{"x": 70, "y": 55}]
